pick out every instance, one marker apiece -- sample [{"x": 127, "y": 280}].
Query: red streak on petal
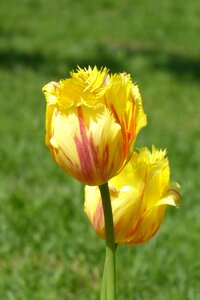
[
  {"x": 100, "y": 164},
  {"x": 134, "y": 229},
  {"x": 94, "y": 151},
  {"x": 93, "y": 167},
  {"x": 143, "y": 239},
  {"x": 82, "y": 146},
  {"x": 115, "y": 115},
  {"x": 131, "y": 129},
  {"x": 68, "y": 165},
  {"x": 98, "y": 220}
]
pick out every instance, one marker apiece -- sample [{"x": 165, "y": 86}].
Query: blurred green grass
[{"x": 47, "y": 248}]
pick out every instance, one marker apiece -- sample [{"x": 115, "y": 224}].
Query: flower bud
[
  {"x": 139, "y": 197},
  {"x": 92, "y": 121}
]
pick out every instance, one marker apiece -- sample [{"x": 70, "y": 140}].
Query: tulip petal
[
  {"x": 152, "y": 218},
  {"x": 139, "y": 197},
  {"x": 88, "y": 143},
  {"x": 90, "y": 79},
  {"x": 92, "y": 121},
  {"x": 147, "y": 226},
  {"x": 125, "y": 207},
  {"x": 94, "y": 210},
  {"x": 172, "y": 196}
]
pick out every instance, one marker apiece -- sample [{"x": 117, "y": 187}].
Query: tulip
[
  {"x": 92, "y": 121},
  {"x": 139, "y": 197}
]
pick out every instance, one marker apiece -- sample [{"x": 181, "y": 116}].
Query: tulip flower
[
  {"x": 92, "y": 121},
  {"x": 139, "y": 197}
]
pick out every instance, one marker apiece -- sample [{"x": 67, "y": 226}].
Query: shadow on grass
[
  {"x": 16, "y": 60},
  {"x": 53, "y": 64},
  {"x": 172, "y": 61},
  {"x": 114, "y": 56}
]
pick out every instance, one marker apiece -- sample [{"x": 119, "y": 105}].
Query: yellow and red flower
[
  {"x": 92, "y": 121},
  {"x": 139, "y": 197}
]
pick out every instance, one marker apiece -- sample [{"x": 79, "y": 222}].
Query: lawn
[{"x": 47, "y": 248}]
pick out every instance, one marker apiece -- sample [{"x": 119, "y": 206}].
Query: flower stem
[
  {"x": 109, "y": 276},
  {"x": 104, "y": 285}
]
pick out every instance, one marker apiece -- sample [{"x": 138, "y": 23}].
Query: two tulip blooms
[{"x": 92, "y": 121}]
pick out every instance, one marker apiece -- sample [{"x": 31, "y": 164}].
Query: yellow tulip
[
  {"x": 92, "y": 121},
  {"x": 139, "y": 196}
]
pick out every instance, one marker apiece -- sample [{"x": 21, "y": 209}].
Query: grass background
[{"x": 47, "y": 248}]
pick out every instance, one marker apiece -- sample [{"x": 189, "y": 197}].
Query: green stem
[
  {"x": 104, "y": 285},
  {"x": 109, "y": 277}
]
